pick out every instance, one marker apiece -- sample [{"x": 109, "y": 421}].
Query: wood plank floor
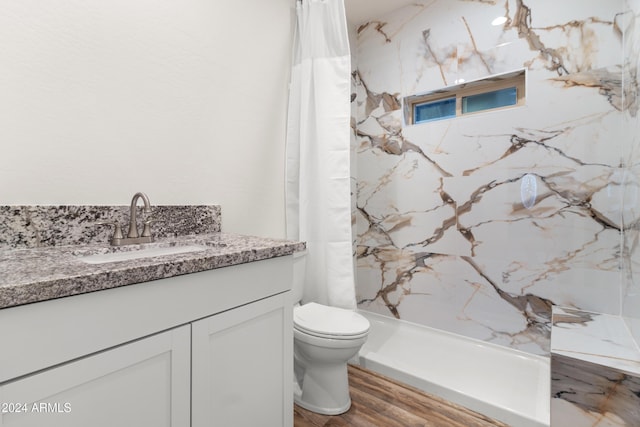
[{"x": 378, "y": 401}]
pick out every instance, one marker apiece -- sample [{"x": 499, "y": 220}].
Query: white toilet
[{"x": 324, "y": 339}]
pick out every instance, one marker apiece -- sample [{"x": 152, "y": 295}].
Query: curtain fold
[{"x": 318, "y": 193}]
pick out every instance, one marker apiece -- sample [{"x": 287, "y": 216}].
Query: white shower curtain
[{"x": 318, "y": 171}]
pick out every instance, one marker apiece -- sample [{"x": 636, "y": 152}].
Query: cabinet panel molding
[
  {"x": 145, "y": 382},
  {"x": 249, "y": 351}
]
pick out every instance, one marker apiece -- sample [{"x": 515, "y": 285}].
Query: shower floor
[{"x": 380, "y": 401}]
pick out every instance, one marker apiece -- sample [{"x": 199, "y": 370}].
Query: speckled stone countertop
[
  {"x": 40, "y": 274},
  {"x": 43, "y": 249}
]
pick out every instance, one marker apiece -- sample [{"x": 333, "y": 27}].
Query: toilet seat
[{"x": 329, "y": 322}]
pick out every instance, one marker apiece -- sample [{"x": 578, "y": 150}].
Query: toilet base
[
  {"x": 323, "y": 411},
  {"x": 325, "y": 390}
]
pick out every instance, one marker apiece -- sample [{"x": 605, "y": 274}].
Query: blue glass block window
[
  {"x": 502, "y": 91},
  {"x": 489, "y": 100},
  {"x": 434, "y": 110}
]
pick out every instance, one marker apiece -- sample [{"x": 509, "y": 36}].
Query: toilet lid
[{"x": 318, "y": 319}]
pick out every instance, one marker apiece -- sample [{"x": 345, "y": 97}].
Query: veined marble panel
[
  {"x": 437, "y": 43},
  {"x": 595, "y": 371},
  {"x": 479, "y": 225},
  {"x": 451, "y": 293},
  {"x": 596, "y": 338},
  {"x": 631, "y": 178},
  {"x": 584, "y": 394}
]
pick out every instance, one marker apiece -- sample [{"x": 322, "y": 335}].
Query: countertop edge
[{"x": 232, "y": 249}]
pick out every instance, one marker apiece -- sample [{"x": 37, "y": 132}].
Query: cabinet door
[
  {"x": 143, "y": 383},
  {"x": 242, "y": 366}
]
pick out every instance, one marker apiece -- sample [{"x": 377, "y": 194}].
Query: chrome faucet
[{"x": 132, "y": 236}]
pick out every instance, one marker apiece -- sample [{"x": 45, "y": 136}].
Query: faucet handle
[
  {"x": 146, "y": 232},
  {"x": 117, "y": 232}
]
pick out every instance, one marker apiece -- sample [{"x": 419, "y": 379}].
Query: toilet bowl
[{"x": 325, "y": 338}]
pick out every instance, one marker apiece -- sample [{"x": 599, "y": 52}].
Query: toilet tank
[{"x": 299, "y": 266}]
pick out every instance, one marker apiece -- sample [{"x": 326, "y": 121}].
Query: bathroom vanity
[{"x": 196, "y": 338}]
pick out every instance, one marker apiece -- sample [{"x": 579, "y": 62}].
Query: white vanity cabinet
[
  {"x": 242, "y": 363},
  {"x": 206, "y": 349},
  {"x": 144, "y": 383}
]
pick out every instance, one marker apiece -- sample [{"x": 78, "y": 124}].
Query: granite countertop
[{"x": 29, "y": 275}]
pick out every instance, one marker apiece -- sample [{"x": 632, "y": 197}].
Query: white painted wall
[{"x": 185, "y": 100}]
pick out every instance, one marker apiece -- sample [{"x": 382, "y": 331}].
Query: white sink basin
[{"x": 140, "y": 253}]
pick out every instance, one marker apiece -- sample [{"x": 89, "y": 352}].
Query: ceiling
[{"x": 360, "y": 11}]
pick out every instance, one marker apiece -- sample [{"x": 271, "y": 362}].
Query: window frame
[{"x": 494, "y": 83}]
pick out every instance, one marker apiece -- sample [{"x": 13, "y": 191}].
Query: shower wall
[
  {"x": 631, "y": 203},
  {"x": 444, "y": 236}
]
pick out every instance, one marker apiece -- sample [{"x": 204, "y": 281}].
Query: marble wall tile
[
  {"x": 630, "y": 24},
  {"x": 597, "y": 338},
  {"x": 478, "y": 225},
  {"x": 585, "y": 394},
  {"x": 595, "y": 370}
]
